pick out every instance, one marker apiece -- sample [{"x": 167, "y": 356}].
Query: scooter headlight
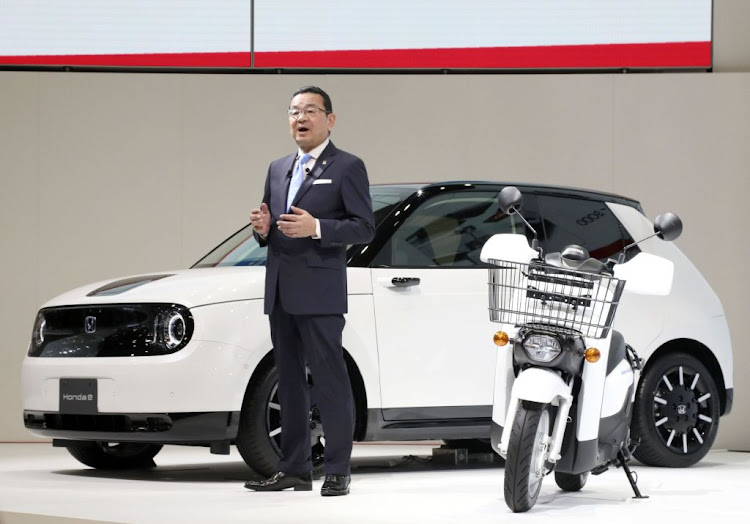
[{"x": 542, "y": 348}]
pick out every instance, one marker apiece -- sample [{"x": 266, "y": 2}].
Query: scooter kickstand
[{"x": 631, "y": 477}]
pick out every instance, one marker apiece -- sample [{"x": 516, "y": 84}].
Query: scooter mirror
[
  {"x": 510, "y": 200},
  {"x": 668, "y": 226}
]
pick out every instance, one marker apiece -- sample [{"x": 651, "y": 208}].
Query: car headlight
[
  {"x": 542, "y": 348},
  {"x": 173, "y": 328},
  {"x": 40, "y": 328}
]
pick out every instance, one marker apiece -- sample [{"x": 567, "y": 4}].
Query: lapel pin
[{"x": 324, "y": 162}]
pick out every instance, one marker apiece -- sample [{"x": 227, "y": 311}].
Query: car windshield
[{"x": 241, "y": 249}]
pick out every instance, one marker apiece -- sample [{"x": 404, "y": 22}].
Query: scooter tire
[
  {"x": 524, "y": 467},
  {"x": 571, "y": 482}
]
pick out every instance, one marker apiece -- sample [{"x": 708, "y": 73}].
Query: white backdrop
[{"x": 104, "y": 175}]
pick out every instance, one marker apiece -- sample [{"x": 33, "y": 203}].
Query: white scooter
[{"x": 564, "y": 389}]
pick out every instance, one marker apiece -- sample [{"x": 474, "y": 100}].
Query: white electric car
[{"x": 117, "y": 369}]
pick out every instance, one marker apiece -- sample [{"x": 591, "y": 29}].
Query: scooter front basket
[{"x": 561, "y": 299}]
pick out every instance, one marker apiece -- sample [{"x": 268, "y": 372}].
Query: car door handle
[{"x": 405, "y": 281}]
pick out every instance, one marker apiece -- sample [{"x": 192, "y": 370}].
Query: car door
[{"x": 434, "y": 335}]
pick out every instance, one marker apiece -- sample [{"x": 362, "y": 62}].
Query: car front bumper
[
  {"x": 201, "y": 378},
  {"x": 163, "y": 428}
]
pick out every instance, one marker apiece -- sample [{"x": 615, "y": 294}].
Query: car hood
[{"x": 188, "y": 287}]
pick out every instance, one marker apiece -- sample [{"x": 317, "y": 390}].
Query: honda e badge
[{"x": 89, "y": 324}]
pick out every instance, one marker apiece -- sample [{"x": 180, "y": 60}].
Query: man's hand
[
  {"x": 297, "y": 224},
  {"x": 261, "y": 219}
]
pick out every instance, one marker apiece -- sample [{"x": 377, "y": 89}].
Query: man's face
[{"x": 309, "y": 131}]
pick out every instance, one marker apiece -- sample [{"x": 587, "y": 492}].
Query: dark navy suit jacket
[{"x": 310, "y": 274}]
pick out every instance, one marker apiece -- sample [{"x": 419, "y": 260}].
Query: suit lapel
[{"x": 325, "y": 159}]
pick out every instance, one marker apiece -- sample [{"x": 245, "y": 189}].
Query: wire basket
[{"x": 561, "y": 299}]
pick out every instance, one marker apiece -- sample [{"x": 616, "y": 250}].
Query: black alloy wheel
[
  {"x": 273, "y": 427},
  {"x": 677, "y": 411},
  {"x": 259, "y": 438}
]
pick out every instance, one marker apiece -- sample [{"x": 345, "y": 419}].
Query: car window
[
  {"x": 241, "y": 249},
  {"x": 386, "y": 198},
  {"x": 448, "y": 230},
  {"x": 588, "y": 223}
]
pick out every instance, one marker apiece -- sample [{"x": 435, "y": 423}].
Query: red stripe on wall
[
  {"x": 236, "y": 59},
  {"x": 679, "y": 54}
]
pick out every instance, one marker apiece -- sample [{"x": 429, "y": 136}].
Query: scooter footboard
[
  {"x": 544, "y": 387},
  {"x": 578, "y": 456}
]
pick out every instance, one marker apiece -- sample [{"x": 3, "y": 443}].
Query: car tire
[
  {"x": 113, "y": 455},
  {"x": 676, "y": 414},
  {"x": 259, "y": 436}
]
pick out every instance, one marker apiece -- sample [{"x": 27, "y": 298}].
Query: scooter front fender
[
  {"x": 544, "y": 387},
  {"x": 539, "y": 385}
]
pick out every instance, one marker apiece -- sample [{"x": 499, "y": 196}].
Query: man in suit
[{"x": 316, "y": 202}]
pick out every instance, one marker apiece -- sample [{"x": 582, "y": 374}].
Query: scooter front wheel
[{"x": 528, "y": 450}]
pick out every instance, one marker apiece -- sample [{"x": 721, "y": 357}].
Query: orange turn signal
[
  {"x": 592, "y": 355},
  {"x": 500, "y": 338}
]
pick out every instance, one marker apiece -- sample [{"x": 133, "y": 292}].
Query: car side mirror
[
  {"x": 668, "y": 226},
  {"x": 510, "y": 200}
]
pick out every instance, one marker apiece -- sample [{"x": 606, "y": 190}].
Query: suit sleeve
[
  {"x": 358, "y": 223},
  {"x": 262, "y": 241}
]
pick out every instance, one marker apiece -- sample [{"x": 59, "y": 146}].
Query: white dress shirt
[{"x": 314, "y": 154}]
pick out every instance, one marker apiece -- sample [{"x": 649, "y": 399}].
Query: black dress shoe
[
  {"x": 280, "y": 481},
  {"x": 335, "y": 485}
]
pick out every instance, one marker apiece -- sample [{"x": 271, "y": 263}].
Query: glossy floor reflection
[{"x": 391, "y": 483}]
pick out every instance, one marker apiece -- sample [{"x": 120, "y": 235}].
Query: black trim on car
[
  {"x": 391, "y": 216},
  {"x": 163, "y": 428},
  {"x": 363, "y": 256},
  {"x": 729, "y": 401},
  {"x": 111, "y": 330},
  {"x": 125, "y": 284},
  {"x": 437, "y": 413},
  {"x": 496, "y": 435},
  {"x": 463, "y": 423}
]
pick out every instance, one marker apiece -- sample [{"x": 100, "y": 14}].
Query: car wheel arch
[
  {"x": 701, "y": 352},
  {"x": 355, "y": 378}
]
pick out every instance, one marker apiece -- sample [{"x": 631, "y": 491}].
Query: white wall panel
[{"x": 113, "y": 174}]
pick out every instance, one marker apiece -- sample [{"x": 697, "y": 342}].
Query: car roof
[{"x": 537, "y": 188}]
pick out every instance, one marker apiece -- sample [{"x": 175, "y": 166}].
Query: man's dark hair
[{"x": 318, "y": 91}]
